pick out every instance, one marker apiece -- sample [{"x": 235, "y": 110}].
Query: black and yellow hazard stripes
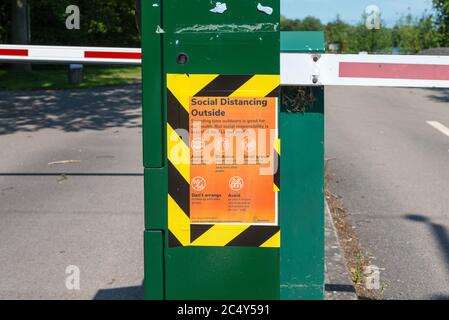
[
  {"x": 219, "y": 235},
  {"x": 277, "y": 171},
  {"x": 180, "y": 89}
]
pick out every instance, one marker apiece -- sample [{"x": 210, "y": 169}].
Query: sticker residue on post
[
  {"x": 222, "y": 28},
  {"x": 219, "y": 8}
]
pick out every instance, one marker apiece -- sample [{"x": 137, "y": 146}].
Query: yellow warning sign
[
  {"x": 232, "y": 142},
  {"x": 223, "y": 160}
]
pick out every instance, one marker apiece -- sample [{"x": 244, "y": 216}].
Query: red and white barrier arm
[
  {"x": 296, "y": 68},
  {"x": 365, "y": 70},
  {"x": 56, "y": 54}
]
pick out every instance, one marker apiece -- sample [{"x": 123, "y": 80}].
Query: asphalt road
[
  {"x": 92, "y": 217},
  {"x": 392, "y": 170}
]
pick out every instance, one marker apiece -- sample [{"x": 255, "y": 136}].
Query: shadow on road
[
  {"x": 339, "y": 288},
  {"x": 439, "y": 95},
  {"x": 440, "y": 297},
  {"x": 125, "y": 293},
  {"x": 70, "y": 110},
  {"x": 439, "y": 232}
]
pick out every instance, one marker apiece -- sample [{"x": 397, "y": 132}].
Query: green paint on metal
[
  {"x": 302, "y": 193},
  {"x": 155, "y": 198},
  {"x": 302, "y": 41},
  {"x": 153, "y": 150},
  {"x": 154, "y": 265},
  {"x": 222, "y": 273},
  {"x": 242, "y": 40},
  {"x": 302, "y": 202}
]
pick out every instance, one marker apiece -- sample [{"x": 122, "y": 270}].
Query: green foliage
[
  {"x": 372, "y": 41},
  {"x": 442, "y": 20},
  {"x": 4, "y": 21},
  {"x": 306, "y": 24},
  {"x": 412, "y": 35},
  {"x": 340, "y": 33},
  {"x": 348, "y": 38},
  {"x": 103, "y": 23}
]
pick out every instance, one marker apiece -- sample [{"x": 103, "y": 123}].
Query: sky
[{"x": 351, "y": 10}]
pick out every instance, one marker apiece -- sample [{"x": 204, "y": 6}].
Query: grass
[
  {"x": 358, "y": 273},
  {"x": 56, "y": 78}
]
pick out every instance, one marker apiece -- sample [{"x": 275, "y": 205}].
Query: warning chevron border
[{"x": 180, "y": 88}]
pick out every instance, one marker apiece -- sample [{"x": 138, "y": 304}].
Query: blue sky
[{"x": 351, "y": 10}]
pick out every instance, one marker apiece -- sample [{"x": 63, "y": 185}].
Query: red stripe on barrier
[
  {"x": 394, "y": 71},
  {"x": 113, "y": 55},
  {"x": 14, "y": 52}
]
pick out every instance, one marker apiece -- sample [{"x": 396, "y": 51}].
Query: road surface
[
  {"x": 92, "y": 219},
  {"x": 392, "y": 169}
]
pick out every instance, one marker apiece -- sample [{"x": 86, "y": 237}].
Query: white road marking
[{"x": 443, "y": 129}]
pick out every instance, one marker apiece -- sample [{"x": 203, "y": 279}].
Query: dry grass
[{"x": 355, "y": 255}]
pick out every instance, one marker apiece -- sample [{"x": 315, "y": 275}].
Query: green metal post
[
  {"x": 241, "y": 41},
  {"x": 302, "y": 191},
  {"x": 153, "y": 150}
]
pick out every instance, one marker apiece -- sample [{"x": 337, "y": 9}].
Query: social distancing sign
[{"x": 223, "y": 152}]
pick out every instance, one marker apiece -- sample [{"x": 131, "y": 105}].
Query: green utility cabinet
[{"x": 194, "y": 48}]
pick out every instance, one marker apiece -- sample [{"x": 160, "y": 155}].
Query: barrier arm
[
  {"x": 365, "y": 70},
  {"x": 58, "y": 54},
  {"x": 296, "y": 68}
]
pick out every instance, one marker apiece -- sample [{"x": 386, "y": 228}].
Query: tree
[
  {"x": 20, "y": 27},
  {"x": 307, "y": 24},
  {"x": 413, "y": 35},
  {"x": 374, "y": 40},
  {"x": 290, "y": 25},
  {"x": 340, "y": 33},
  {"x": 4, "y": 21},
  {"x": 442, "y": 20},
  {"x": 103, "y": 23},
  {"x": 311, "y": 24},
  {"x": 138, "y": 6}
]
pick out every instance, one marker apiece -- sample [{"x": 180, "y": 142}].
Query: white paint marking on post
[
  {"x": 219, "y": 8},
  {"x": 440, "y": 127},
  {"x": 265, "y": 9}
]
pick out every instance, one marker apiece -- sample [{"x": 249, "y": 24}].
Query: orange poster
[{"x": 232, "y": 160}]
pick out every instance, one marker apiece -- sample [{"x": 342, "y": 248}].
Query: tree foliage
[
  {"x": 442, "y": 20},
  {"x": 340, "y": 33},
  {"x": 409, "y": 35},
  {"x": 372, "y": 40},
  {"x": 306, "y": 24},
  {"x": 112, "y": 23},
  {"x": 4, "y": 21},
  {"x": 413, "y": 35},
  {"x": 103, "y": 23}
]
